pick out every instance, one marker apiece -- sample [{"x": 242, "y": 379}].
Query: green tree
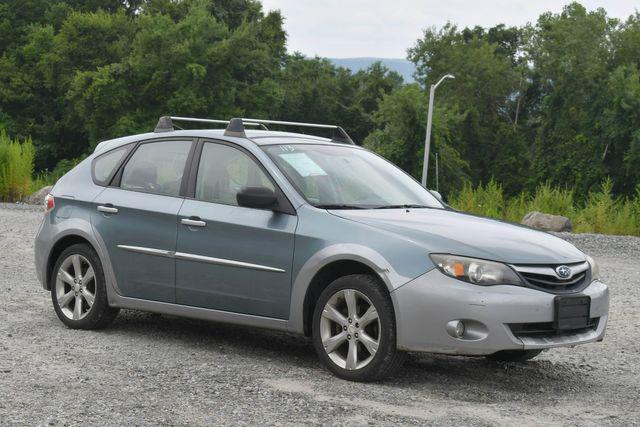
[
  {"x": 570, "y": 52},
  {"x": 557, "y": 101},
  {"x": 314, "y": 90},
  {"x": 487, "y": 92},
  {"x": 400, "y": 138}
]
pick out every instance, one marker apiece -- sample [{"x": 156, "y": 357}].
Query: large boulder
[
  {"x": 37, "y": 198},
  {"x": 547, "y": 222}
]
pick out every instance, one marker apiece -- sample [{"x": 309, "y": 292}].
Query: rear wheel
[
  {"x": 514, "y": 355},
  {"x": 354, "y": 330},
  {"x": 78, "y": 290}
]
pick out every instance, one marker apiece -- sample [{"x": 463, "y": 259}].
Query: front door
[
  {"x": 137, "y": 219},
  {"x": 229, "y": 257}
]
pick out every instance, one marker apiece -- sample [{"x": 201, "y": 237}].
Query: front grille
[
  {"x": 544, "y": 277},
  {"x": 546, "y": 329}
]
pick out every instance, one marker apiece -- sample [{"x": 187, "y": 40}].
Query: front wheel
[{"x": 354, "y": 329}]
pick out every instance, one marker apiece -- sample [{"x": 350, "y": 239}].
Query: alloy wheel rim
[
  {"x": 75, "y": 287},
  {"x": 350, "y": 329}
]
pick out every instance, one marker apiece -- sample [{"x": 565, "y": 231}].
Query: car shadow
[
  {"x": 459, "y": 376},
  {"x": 245, "y": 341},
  {"x": 452, "y": 376}
]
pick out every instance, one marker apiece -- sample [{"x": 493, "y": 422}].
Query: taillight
[{"x": 49, "y": 203}]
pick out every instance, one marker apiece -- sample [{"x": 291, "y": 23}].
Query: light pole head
[
  {"x": 427, "y": 142},
  {"x": 443, "y": 78}
]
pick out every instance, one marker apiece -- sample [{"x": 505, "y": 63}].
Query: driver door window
[{"x": 224, "y": 171}]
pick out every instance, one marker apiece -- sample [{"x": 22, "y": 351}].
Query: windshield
[{"x": 343, "y": 177}]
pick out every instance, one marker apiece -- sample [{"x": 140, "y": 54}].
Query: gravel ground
[{"x": 150, "y": 369}]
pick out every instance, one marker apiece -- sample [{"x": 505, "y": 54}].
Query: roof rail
[
  {"x": 235, "y": 127},
  {"x": 165, "y": 123},
  {"x": 340, "y": 136}
]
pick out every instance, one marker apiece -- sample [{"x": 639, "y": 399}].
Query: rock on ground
[
  {"x": 547, "y": 222},
  {"x": 37, "y": 198},
  {"x": 155, "y": 370}
]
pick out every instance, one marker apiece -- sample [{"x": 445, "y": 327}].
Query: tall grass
[
  {"x": 602, "y": 212},
  {"x": 16, "y": 168},
  {"x": 46, "y": 177},
  {"x": 17, "y": 179},
  {"x": 487, "y": 200}
]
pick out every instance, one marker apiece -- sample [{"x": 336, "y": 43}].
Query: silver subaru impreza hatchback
[{"x": 308, "y": 235}]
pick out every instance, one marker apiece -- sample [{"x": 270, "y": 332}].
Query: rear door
[
  {"x": 229, "y": 257},
  {"x": 137, "y": 218}
]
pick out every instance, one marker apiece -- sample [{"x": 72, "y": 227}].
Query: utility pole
[
  {"x": 437, "y": 175},
  {"x": 427, "y": 142}
]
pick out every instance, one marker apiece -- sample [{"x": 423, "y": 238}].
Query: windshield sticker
[
  {"x": 303, "y": 164},
  {"x": 287, "y": 148}
]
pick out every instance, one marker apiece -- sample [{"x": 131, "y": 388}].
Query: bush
[
  {"x": 602, "y": 212},
  {"x": 45, "y": 177},
  {"x": 16, "y": 167},
  {"x": 552, "y": 200},
  {"x": 517, "y": 207},
  {"x": 485, "y": 201},
  {"x": 606, "y": 214}
]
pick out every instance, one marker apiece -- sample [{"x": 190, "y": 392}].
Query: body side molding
[
  {"x": 148, "y": 251},
  {"x": 199, "y": 258}
]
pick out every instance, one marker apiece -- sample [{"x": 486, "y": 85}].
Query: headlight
[
  {"x": 476, "y": 271},
  {"x": 595, "y": 270}
]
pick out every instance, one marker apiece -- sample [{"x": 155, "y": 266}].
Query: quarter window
[
  {"x": 224, "y": 171},
  {"x": 106, "y": 164},
  {"x": 156, "y": 167}
]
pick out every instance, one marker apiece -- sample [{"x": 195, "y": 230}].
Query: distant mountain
[{"x": 401, "y": 66}]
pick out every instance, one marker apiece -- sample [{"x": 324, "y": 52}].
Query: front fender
[{"x": 337, "y": 252}]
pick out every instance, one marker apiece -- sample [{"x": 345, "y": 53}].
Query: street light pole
[
  {"x": 427, "y": 142},
  {"x": 437, "y": 175}
]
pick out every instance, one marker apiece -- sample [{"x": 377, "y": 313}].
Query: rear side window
[
  {"x": 156, "y": 167},
  {"x": 105, "y": 165}
]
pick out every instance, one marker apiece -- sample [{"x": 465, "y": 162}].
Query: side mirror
[
  {"x": 257, "y": 198},
  {"x": 437, "y": 195}
]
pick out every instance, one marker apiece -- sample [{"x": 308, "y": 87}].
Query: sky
[{"x": 385, "y": 29}]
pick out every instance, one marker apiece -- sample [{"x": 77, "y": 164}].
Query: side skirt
[{"x": 198, "y": 313}]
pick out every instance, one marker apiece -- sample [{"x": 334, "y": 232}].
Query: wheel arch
[
  {"x": 70, "y": 237},
  {"x": 327, "y": 265},
  {"x": 323, "y": 278},
  {"x": 58, "y": 247}
]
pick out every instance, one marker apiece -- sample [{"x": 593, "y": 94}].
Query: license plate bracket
[{"x": 571, "y": 312}]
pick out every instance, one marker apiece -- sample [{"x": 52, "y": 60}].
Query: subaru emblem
[{"x": 563, "y": 272}]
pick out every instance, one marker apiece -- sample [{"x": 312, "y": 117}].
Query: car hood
[{"x": 446, "y": 231}]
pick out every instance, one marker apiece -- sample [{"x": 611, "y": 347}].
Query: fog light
[{"x": 456, "y": 328}]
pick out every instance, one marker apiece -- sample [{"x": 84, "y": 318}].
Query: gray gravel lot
[{"x": 149, "y": 369}]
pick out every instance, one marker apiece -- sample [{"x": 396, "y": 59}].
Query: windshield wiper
[
  {"x": 406, "y": 206},
  {"x": 338, "y": 206}
]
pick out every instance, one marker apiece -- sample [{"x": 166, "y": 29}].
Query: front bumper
[{"x": 425, "y": 305}]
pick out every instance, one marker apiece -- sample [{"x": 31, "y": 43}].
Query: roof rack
[
  {"x": 165, "y": 123},
  {"x": 340, "y": 135},
  {"x": 235, "y": 126}
]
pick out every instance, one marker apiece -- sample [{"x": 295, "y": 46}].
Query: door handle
[
  {"x": 107, "y": 209},
  {"x": 193, "y": 222}
]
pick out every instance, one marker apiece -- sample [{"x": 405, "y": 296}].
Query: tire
[
  {"x": 339, "y": 330},
  {"x": 71, "y": 293},
  {"x": 514, "y": 355}
]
